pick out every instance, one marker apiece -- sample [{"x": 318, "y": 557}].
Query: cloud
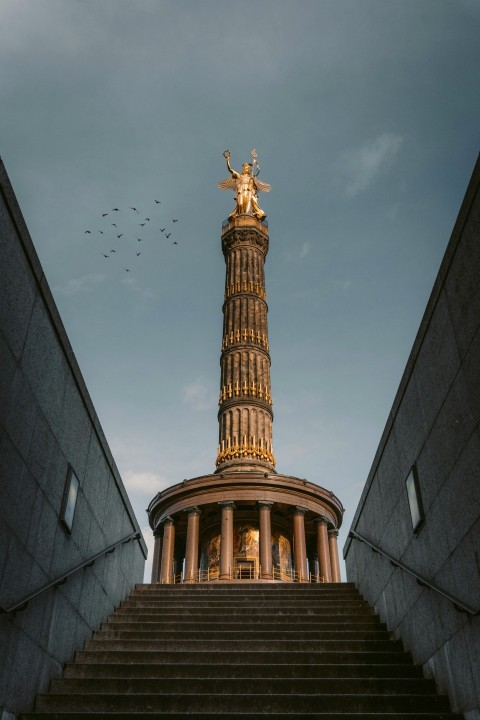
[
  {"x": 357, "y": 169},
  {"x": 81, "y": 284},
  {"x": 198, "y": 395},
  {"x": 305, "y": 249},
  {"x": 146, "y": 482}
]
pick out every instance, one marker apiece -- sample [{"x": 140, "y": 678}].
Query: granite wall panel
[
  {"x": 48, "y": 423},
  {"x": 434, "y": 424}
]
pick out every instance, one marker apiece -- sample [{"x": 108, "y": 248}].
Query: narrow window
[
  {"x": 415, "y": 499},
  {"x": 69, "y": 500}
]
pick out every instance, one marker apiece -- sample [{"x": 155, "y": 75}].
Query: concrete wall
[
  {"x": 47, "y": 421},
  {"x": 434, "y": 423}
]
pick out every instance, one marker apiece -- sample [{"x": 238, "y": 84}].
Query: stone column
[
  {"x": 265, "y": 550},
  {"x": 191, "y": 551},
  {"x": 332, "y": 541},
  {"x": 322, "y": 548},
  {"x": 299, "y": 544},
  {"x": 157, "y": 555},
  {"x": 226, "y": 540},
  {"x": 166, "y": 573}
]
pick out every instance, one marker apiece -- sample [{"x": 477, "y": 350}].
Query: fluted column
[
  {"x": 299, "y": 544},
  {"x": 335, "y": 565},
  {"x": 166, "y": 573},
  {"x": 323, "y": 549},
  {"x": 266, "y": 570},
  {"x": 226, "y": 540},
  {"x": 157, "y": 555},
  {"x": 191, "y": 550}
]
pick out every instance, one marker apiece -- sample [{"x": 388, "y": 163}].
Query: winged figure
[{"x": 246, "y": 187}]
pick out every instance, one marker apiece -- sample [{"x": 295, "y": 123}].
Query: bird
[
  {"x": 147, "y": 219},
  {"x": 113, "y": 224},
  {"x": 143, "y": 224},
  {"x": 134, "y": 208},
  {"x": 105, "y": 256},
  {"x": 138, "y": 254},
  {"x": 104, "y": 214},
  {"x": 159, "y": 202},
  {"x": 168, "y": 235},
  {"x": 139, "y": 239},
  {"x": 126, "y": 269},
  {"x": 101, "y": 232},
  {"x": 173, "y": 220},
  {"x": 113, "y": 251},
  {"x": 174, "y": 242},
  {"x": 115, "y": 210},
  {"x": 87, "y": 232},
  {"x": 162, "y": 229},
  {"x": 119, "y": 236}
]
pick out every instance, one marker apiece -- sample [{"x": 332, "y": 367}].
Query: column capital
[
  {"x": 168, "y": 520},
  {"x": 333, "y": 532},
  {"x": 322, "y": 519},
  {"x": 229, "y": 504},
  {"x": 297, "y": 510},
  {"x": 194, "y": 510},
  {"x": 265, "y": 504},
  {"x": 158, "y": 531}
]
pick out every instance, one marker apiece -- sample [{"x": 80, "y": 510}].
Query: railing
[
  {"x": 422, "y": 581},
  {"x": 21, "y": 605},
  {"x": 244, "y": 573}
]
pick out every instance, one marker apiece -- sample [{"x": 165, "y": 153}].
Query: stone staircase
[{"x": 242, "y": 650}]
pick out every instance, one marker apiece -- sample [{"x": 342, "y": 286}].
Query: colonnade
[{"x": 326, "y": 545}]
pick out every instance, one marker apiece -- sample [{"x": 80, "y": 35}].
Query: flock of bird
[{"x": 112, "y": 232}]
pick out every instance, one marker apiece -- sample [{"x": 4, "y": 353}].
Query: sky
[{"x": 365, "y": 115}]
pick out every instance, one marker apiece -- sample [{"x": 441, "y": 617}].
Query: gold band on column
[
  {"x": 266, "y": 565},
  {"x": 323, "y": 549},
  {"x": 166, "y": 573},
  {"x": 332, "y": 542},
  {"x": 226, "y": 540},
  {"x": 299, "y": 544},
  {"x": 191, "y": 550}
]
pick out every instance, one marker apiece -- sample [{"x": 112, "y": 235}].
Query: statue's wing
[
  {"x": 262, "y": 186},
  {"x": 228, "y": 184}
]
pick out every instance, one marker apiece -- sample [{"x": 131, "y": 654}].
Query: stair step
[
  {"x": 239, "y": 702},
  {"x": 172, "y": 656},
  {"x": 248, "y": 685},
  {"x": 247, "y": 715},
  {"x": 247, "y": 611},
  {"x": 255, "y": 645},
  {"x": 216, "y": 670},
  {"x": 140, "y": 622}
]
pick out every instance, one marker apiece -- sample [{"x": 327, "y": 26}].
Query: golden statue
[{"x": 246, "y": 186}]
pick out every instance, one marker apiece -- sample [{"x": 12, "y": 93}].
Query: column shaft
[
  {"x": 157, "y": 555},
  {"x": 299, "y": 545},
  {"x": 226, "y": 541},
  {"x": 323, "y": 549},
  {"x": 266, "y": 570},
  {"x": 166, "y": 573},
  {"x": 191, "y": 551},
  {"x": 332, "y": 541}
]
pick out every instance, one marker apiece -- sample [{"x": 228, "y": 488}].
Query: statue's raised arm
[{"x": 246, "y": 186}]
